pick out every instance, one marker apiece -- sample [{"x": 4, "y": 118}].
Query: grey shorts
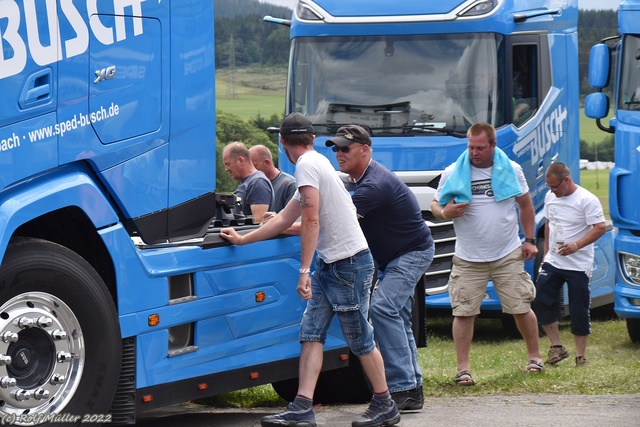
[{"x": 468, "y": 284}]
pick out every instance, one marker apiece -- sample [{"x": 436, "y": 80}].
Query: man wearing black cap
[
  {"x": 341, "y": 281},
  {"x": 402, "y": 247}
]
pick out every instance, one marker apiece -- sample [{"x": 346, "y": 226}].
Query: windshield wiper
[{"x": 332, "y": 128}]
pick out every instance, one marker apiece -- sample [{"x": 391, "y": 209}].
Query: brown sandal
[
  {"x": 460, "y": 380},
  {"x": 534, "y": 367}
]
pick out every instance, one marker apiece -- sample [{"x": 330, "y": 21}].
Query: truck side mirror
[
  {"x": 599, "y": 66},
  {"x": 596, "y": 105}
]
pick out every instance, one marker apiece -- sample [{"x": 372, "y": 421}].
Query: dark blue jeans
[
  {"x": 548, "y": 288},
  {"x": 391, "y": 306}
]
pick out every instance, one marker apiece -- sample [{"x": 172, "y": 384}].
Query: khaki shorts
[{"x": 468, "y": 284}]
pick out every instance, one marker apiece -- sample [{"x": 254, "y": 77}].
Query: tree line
[{"x": 243, "y": 38}]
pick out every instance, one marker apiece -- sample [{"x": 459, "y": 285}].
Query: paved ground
[{"x": 494, "y": 411}]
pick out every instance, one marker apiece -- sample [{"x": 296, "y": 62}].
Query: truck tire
[
  {"x": 59, "y": 336},
  {"x": 633, "y": 326}
]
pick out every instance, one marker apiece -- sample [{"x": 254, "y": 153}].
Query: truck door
[{"x": 28, "y": 69}]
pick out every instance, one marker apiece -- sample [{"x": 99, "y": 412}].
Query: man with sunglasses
[
  {"x": 340, "y": 283},
  {"x": 402, "y": 247},
  {"x": 575, "y": 220}
]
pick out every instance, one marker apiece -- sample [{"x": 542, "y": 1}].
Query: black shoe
[
  {"x": 409, "y": 400},
  {"x": 378, "y": 414}
]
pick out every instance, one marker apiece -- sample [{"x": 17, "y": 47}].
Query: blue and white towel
[{"x": 504, "y": 181}]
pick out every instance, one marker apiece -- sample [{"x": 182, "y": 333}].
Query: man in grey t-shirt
[
  {"x": 284, "y": 185},
  {"x": 254, "y": 191}
]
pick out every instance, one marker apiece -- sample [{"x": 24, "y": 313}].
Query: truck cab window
[
  {"x": 629, "y": 98},
  {"x": 524, "y": 80}
]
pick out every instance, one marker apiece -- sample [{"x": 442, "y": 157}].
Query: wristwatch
[{"x": 530, "y": 240}]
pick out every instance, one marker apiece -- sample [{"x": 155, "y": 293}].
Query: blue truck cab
[
  {"x": 419, "y": 74},
  {"x": 614, "y": 68},
  {"x": 117, "y": 294}
]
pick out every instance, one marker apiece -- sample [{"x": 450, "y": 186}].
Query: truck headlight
[{"x": 631, "y": 267}]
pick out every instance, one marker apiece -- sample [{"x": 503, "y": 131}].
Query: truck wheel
[
  {"x": 633, "y": 326},
  {"x": 59, "y": 334}
]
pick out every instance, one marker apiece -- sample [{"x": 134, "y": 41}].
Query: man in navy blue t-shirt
[{"x": 402, "y": 247}]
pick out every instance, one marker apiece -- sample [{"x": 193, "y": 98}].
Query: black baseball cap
[
  {"x": 296, "y": 123},
  {"x": 349, "y": 134}
]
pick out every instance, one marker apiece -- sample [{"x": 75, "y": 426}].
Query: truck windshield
[
  {"x": 424, "y": 84},
  {"x": 629, "y": 98}
]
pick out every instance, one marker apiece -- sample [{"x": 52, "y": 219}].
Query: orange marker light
[
  {"x": 153, "y": 319},
  {"x": 203, "y": 386},
  {"x": 146, "y": 399},
  {"x": 254, "y": 375},
  {"x": 261, "y": 296}
]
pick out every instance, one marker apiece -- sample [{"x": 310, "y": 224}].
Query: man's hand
[
  {"x": 454, "y": 210},
  {"x": 529, "y": 250},
  {"x": 568, "y": 249},
  {"x": 231, "y": 235},
  {"x": 304, "y": 286}
]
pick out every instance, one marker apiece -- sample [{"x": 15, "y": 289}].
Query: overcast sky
[{"x": 582, "y": 4}]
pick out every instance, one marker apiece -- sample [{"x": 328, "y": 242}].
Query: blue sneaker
[
  {"x": 290, "y": 418},
  {"x": 378, "y": 414}
]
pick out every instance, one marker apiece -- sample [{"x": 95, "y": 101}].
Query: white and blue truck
[
  {"x": 615, "y": 64},
  {"x": 117, "y": 294}
]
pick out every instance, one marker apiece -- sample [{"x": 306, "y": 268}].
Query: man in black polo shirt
[{"x": 402, "y": 247}]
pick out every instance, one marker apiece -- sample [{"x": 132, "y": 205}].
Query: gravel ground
[{"x": 496, "y": 411}]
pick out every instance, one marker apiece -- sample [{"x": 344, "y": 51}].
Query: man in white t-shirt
[
  {"x": 574, "y": 221},
  {"x": 341, "y": 281},
  {"x": 488, "y": 245}
]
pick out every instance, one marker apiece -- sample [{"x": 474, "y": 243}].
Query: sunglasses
[
  {"x": 346, "y": 149},
  {"x": 555, "y": 187}
]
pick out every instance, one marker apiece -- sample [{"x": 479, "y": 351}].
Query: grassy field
[
  {"x": 589, "y": 129},
  {"x": 250, "y": 92},
  {"x": 597, "y": 181},
  {"x": 497, "y": 365}
]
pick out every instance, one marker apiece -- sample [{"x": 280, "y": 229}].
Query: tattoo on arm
[{"x": 304, "y": 202}]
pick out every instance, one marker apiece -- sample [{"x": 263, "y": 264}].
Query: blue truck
[
  {"x": 117, "y": 294},
  {"x": 614, "y": 68},
  {"x": 420, "y": 73}
]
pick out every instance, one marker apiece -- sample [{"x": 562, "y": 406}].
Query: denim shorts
[{"x": 342, "y": 288}]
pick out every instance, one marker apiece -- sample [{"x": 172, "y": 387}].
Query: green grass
[
  {"x": 250, "y": 92},
  {"x": 597, "y": 182},
  {"x": 497, "y": 366},
  {"x": 589, "y": 129}
]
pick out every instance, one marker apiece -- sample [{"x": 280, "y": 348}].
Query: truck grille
[{"x": 437, "y": 276}]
